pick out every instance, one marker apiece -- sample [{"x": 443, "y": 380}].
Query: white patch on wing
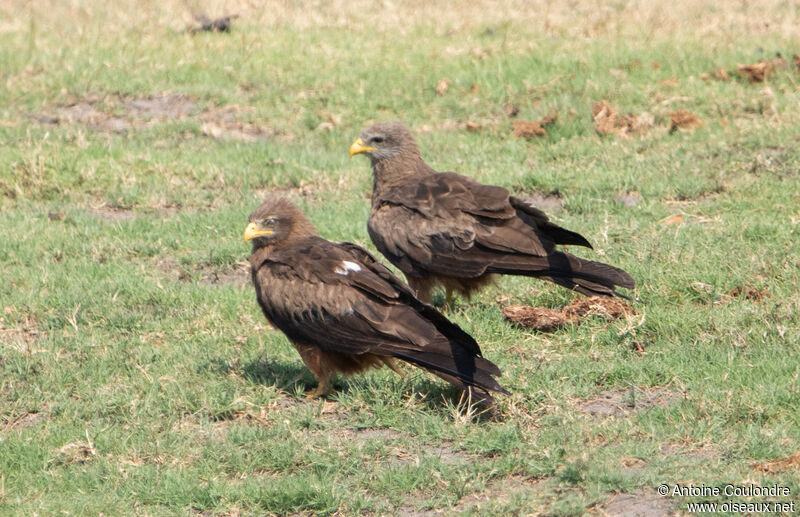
[{"x": 346, "y": 267}]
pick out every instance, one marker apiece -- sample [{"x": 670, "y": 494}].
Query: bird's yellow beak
[
  {"x": 358, "y": 147},
  {"x": 252, "y": 231}
]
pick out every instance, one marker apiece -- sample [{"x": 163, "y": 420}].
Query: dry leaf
[
  {"x": 674, "y": 219},
  {"x": 672, "y": 82},
  {"x": 537, "y": 318},
  {"x": 655, "y": 65},
  {"x": 442, "y": 86},
  {"x": 607, "y": 120},
  {"x": 720, "y": 75},
  {"x": 749, "y": 294},
  {"x": 472, "y": 127},
  {"x": 758, "y": 72},
  {"x": 683, "y": 120},
  {"x": 796, "y": 58},
  {"x": 526, "y": 129},
  {"x": 531, "y": 129},
  {"x": 544, "y": 319}
]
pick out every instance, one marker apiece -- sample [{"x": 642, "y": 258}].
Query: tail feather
[
  {"x": 585, "y": 276},
  {"x": 460, "y": 369}
]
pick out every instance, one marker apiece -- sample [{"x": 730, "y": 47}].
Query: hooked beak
[
  {"x": 358, "y": 147},
  {"x": 253, "y": 230}
]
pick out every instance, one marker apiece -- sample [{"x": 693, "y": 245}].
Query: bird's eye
[
  {"x": 376, "y": 139},
  {"x": 271, "y": 222}
]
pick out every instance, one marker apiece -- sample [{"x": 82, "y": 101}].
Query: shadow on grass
[{"x": 292, "y": 377}]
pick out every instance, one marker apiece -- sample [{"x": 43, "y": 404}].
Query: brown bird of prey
[
  {"x": 344, "y": 312},
  {"x": 442, "y": 228}
]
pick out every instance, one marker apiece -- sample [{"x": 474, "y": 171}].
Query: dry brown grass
[{"x": 656, "y": 20}]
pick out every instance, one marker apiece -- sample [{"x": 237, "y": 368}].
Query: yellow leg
[{"x": 323, "y": 388}]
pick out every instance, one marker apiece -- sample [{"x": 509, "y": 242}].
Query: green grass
[{"x": 137, "y": 375}]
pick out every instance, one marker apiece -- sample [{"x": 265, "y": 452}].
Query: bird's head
[
  {"x": 385, "y": 140},
  {"x": 275, "y": 222}
]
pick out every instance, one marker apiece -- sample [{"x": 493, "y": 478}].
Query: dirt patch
[
  {"x": 369, "y": 433},
  {"x": 74, "y": 453},
  {"x": 544, "y": 319},
  {"x": 119, "y": 114},
  {"x": 549, "y": 202},
  {"x": 674, "y": 449},
  {"x": 637, "y": 505},
  {"x": 237, "y": 275},
  {"x": 112, "y": 213},
  {"x": 629, "y": 199},
  {"x": 498, "y": 491},
  {"x": 20, "y": 334},
  {"x": 225, "y": 123},
  {"x": 23, "y": 421},
  {"x": 205, "y": 272},
  {"x": 622, "y": 402},
  {"x": 776, "y": 466}
]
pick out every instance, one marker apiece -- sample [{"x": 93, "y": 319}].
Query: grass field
[{"x": 137, "y": 375}]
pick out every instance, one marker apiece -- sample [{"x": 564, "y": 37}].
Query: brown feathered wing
[
  {"x": 451, "y": 225},
  {"x": 337, "y": 297}
]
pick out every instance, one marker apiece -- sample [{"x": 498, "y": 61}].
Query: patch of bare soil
[
  {"x": 22, "y": 421},
  {"x": 534, "y": 128},
  {"x": 369, "y": 433},
  {"x": 238, "y": 275},
  {"x": 675, "y": 449},
  {"x": 498, "y": 490},
  {"x": 608, "y": 120},
  {"x": 637, "y": 505},
  {"x": 549, "y": 202},
  {"x": 622, "y": 402},
  {"x": 74, "y": 453},
  {"x": 205, "y": 272},
  {"x": 112, "y": 213},
  {"x": 629, "y": 199},
  {"x": 544, "y": 319},
  {"x": 225, "y": 123},
  {"x": 21, "y": 333},
  {"x": 119, "y": 114},
  {"x": 776, "y": 466}
]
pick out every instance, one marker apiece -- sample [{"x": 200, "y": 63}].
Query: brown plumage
[
  {"x": 442, "y": 228},
  {"x": 344, "y": 312}
]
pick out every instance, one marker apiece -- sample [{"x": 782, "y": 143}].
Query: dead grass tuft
[
  {"x": 74, "y": 453},
  {"x": 616, "y": 403}
]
